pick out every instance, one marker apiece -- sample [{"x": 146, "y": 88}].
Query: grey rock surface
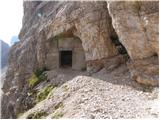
[{"x": 97, "y": 25}]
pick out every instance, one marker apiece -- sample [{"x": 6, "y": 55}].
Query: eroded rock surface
[
  {"x": 135, "y": 24},
  {"x": 43, "y": 22},
  {"x": 145, "y": 71}
]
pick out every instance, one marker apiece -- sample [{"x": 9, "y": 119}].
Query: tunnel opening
[{"x": 65, "y": 58}]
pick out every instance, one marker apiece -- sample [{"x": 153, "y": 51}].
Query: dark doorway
[{"x": 66, "y": 58}]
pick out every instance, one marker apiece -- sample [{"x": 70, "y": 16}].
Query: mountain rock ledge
[{"x": 86, "y": 38}]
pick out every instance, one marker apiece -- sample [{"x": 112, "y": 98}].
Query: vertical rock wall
[
  {"x": 137, "y": 26},
  {"x": 42, "y": 21}
]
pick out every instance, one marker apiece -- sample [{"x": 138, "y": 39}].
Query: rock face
[
  {"x": 52, "y": 27},
  {"x": 87, "y": 20},
  {"x": 4, "y": 53},
  {"x": 137, "y": 26},
  {"x": 139, "y": 34},
  {"x": 145, "y": 71}
]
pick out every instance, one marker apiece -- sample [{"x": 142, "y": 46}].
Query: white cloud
[{"x": 11, "y": 12}]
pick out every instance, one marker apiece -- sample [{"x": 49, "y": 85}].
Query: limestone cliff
[
  {"x": 91, "y": 32},
  {"x": 137, "y": 26}
]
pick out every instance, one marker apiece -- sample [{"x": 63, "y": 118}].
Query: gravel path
[{"x": 101, "y": 95}]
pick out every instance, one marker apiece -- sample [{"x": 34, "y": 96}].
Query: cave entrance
[
  {"x": 115, "y": 39},
  {"x": 65, "y": 58},
  {"x": 121, "y": 49}
]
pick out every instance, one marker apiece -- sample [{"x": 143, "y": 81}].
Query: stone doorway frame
[{"x": 61, "y": 64}]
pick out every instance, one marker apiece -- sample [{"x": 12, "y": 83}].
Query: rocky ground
[{"x": 104, "y": 94}]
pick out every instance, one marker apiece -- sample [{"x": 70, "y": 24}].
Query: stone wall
[
  {"x": 56, "y": 45},
  {"x": 78, "y": 57}
]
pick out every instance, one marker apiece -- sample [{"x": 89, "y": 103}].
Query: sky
[{"x": 11, "y": 13}]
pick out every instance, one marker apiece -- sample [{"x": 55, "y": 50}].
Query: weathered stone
[
  {"x": 137, "y": 29},
  {"x": 45, "y": 22},
  {"x": 145, "y": 71},
  {"x": 114, "y": 62},
  {"x": 137, "y": 26}
]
